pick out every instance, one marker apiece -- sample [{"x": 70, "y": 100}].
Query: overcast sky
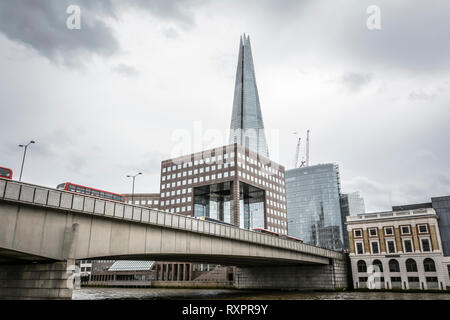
[{"x": 114, "y": 98}]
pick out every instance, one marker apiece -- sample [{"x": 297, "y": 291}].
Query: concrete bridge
[{"x": 43, "y": 231}]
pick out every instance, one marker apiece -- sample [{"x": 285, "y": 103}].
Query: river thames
[{"x": 228, "y": 294}]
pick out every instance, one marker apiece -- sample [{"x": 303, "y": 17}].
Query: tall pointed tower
[{"x": 247, "y": 127}]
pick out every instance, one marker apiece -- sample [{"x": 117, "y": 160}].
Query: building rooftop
[
  {"x": 123, "y": 265},
  {"x": 391, "y": 214}
]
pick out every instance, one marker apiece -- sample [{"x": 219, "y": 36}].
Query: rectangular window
[
  {"x": 423, "y": 228},
  {"x": 425, "y": 245},
  {"x": 357, "y": 233},
  {"x": 431, "y": 279},
  {"x": 406, "y": 230},
  {"x": 448, "y": 269},
  {"x": 388, "y": 231},
  {"x": 375, "y": 249},
  {"x": 359, "y": 248},
  {"x": 407, "y": 244},
  {"x": 413, "y": 279},
  {"x": 362, "y": 279},
  {"x": 391, "y": 246},
  {"x": 373, "y": 232},
  {"x": 396, "y": 279}
]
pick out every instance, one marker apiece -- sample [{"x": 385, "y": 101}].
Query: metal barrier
[{"x": 26, "y": 193}]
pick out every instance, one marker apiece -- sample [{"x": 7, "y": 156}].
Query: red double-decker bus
[
  {"x": 278, "y": 235},
  {"x": 261, "y": 230},
  {"x": 68, "y": 186},
  {"x": 6, "y": 173},
  {"x": 287, "y": 237}
]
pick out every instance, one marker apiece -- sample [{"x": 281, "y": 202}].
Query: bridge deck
[{"x": 33, "y": 195}]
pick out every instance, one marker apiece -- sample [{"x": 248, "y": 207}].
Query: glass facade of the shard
[
  {"x": 247, "y": 127},
  {"x": 313, "y": 205}
]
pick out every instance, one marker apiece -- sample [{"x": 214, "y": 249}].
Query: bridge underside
[
  {"x": 16, "y": 257},
  {"x": 246, "y": 261}
]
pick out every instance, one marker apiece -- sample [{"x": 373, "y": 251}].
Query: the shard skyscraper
[{"x": 247, "y": 127}]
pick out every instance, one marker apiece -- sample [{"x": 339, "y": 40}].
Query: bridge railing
[{"x": 26, "y": 193}]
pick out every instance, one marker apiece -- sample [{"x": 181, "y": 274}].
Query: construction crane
[
  {"x": 303, "y": 163},
  {"x": 307, "y": 148},
  {"x": 297, "y": 153}
]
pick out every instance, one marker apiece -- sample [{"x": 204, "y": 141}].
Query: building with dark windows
[
  {"x": 247, "y": 127},
  {"x": 231, "y": 184},
  {"x": 313, "y": 205},
  {"x": 397, "y": 249},
  {"x": 150, "y": 200}
]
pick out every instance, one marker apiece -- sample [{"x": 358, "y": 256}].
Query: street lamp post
[
  {"x": 132, "y": 192},
  {"x": 25, "y": 146}
]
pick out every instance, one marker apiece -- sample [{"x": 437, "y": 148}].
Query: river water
[{"x": 228, "y": 294}]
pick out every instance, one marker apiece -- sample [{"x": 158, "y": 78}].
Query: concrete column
[
  {"x": 235, "y": 195},
  {"x": 305, "y": 277},
  {"x": 35, "y": 281}
]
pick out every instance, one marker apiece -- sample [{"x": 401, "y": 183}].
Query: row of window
[
  {"x": 187, "y": 164},
  {"x": 259, "y": 164},
  {"x": 268, "y": 176},
  {"x": 391, "y": 246},
  {"x": 176, "y": 201},
  {"x": 261, "y": 182},
  {"x": 144, "y": 202},
  {"x": 394, "y": 266},
  {"x": 276, "y": 221},
  {"x": 179, "y": 209},
  {"x": 389, "y": 231},
  {"x": 177, "y": 192},
  {"x": 197, "y": 180},
  {"x": 399, "y": 279},
  {"x": 196, "y": 171}
]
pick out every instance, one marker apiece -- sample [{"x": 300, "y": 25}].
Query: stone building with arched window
[{"x": 397, "y": 249}]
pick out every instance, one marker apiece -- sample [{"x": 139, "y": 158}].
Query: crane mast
[
  {"x": 307, "y": 148},
  {"x": 297, "y": 153}
]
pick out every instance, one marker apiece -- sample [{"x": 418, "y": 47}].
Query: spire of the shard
[{"x": 247, "y": 127}]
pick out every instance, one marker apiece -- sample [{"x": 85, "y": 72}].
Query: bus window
[{"x": 61, "y": 186}]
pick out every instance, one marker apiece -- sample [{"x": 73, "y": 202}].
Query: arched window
[
  {"x": 428, "y": 265},
  {"x": 394, "y": 266},
  {"x": 377, "y": 263},
  {"x": 362, "y": 267},
  {"x": 411, "y": 265}
]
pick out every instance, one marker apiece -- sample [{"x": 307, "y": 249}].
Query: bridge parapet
[{"x": 34, "y": 195}]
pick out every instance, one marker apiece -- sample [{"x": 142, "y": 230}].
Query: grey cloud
[
  {"x": 126, "y": 70},
  {"x": 355, "y": 81},
  {"x": 414, "y": 35},
  {"x": 421, "y": 95},
  {"x": 41, "y": 25}
]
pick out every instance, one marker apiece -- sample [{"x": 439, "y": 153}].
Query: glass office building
[
  {"x": 313, "y": 205},
  {"x": 353, "y": 203},
  {"x": 247, "y": 127},
  {"x": 442, "y": 207}
]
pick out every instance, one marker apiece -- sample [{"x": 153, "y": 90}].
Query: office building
[
  {"x": 247, "y": 127},
  {"x": 352, "y": 204},
  {"x": 230, "y": 183},
  {"x": 397, "y": 249},
  {"x": 150, "y": 200},
  {"x": 313, "y": 205}
]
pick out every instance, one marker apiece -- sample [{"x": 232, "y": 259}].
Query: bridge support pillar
[
  {"x": 36, "y": 281},
  {"x": 303, "y": 277}
]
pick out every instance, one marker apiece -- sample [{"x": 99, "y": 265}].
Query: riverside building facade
[{"x": 397, "y": 249}]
